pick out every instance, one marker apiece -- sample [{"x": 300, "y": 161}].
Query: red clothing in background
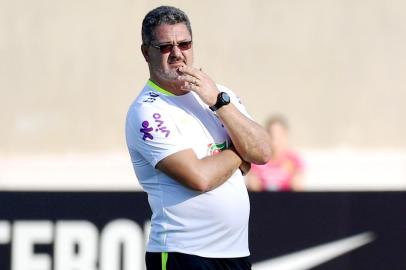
[{"x": 278, "y": 174}]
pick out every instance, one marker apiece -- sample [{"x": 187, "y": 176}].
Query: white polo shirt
[{"x": 211, "y": 224}]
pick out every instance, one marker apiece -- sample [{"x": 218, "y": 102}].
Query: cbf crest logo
[
  {"x": 157, "y": 126},
  {"x": 215, "y": 148}
]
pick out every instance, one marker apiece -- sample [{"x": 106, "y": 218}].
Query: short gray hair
[{"x": 159, "y": 16}]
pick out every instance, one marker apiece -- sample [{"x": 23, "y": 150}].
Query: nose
[{"x": 176, "y": 51}]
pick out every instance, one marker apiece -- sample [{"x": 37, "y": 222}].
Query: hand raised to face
[{"x": 196, "y": 80}]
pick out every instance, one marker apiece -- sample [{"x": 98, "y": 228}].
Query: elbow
[
  {"x": 259, "y": 157},
  {"x": 264, "y": 150},
  {"x": 266, "y": 153},
  {"x": 266, "y": 156},
  {"x": 263, "y": 156},
  {"x": 200, "y": 184},
  {"x": 200, "y": 187},
  {"x": 260, "y": 161}
]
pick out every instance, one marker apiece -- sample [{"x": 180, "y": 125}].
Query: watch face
[
  {"x": 222, "y": 99},
  {"x": 225, "y": 97}
]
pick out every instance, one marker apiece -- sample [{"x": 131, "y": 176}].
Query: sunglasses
[{"x": 166, "y": 48}]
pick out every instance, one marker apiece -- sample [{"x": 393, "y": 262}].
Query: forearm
[
  {"x": 250, "y": 139},
  {"x": 217, "y": 169},
  {"x": 200, "y": 174}
]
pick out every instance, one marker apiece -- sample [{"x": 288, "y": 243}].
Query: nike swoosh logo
[{"x": 314, "y": 256}]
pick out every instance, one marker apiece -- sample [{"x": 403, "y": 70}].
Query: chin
[{"x": 167, "y": 75}]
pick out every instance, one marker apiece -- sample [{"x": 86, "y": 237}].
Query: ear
[{"x": 144, "y": 50}]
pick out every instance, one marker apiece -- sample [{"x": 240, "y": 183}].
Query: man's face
[{"x": 163, "y": 65}]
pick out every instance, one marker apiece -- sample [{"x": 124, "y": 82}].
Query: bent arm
[
  {"x": 200, "y": 174},
  {"x": 249, "y": 138}
]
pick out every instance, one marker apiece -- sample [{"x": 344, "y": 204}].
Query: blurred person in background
[
  {"x": 284, "y": 172},
  {"x": 190, "y": 142}
]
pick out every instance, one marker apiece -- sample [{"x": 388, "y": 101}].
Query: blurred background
[{"x": 335, "y": 69}]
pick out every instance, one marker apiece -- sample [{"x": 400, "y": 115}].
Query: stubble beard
[{"x": 169, "y": 77}]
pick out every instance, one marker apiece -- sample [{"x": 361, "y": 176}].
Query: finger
[
  {"x": 191, "y": 71},
  {"x": 190, "y": 79},
  {"x": 190, "y": 86}
]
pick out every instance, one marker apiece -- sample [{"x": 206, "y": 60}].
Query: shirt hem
[{"x": 203, "y": 254}]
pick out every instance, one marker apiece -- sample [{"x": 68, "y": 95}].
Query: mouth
[{"x": 177, "y": 64}]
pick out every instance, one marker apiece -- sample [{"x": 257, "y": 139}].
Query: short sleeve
[{"x": 153, "y": 133}]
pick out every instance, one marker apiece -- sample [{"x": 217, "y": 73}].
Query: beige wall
[{"x": 69, "y": 69}]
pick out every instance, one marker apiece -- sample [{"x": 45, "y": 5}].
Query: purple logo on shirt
[
  {"x": 160, "y": 126},
  {"x": 147, "y": 130}
]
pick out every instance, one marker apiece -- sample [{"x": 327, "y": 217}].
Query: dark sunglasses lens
[
  {"x": 165, "y": 48},
  {"x": 185, "y": 45}
]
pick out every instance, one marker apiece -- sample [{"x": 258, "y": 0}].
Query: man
[{"x": 190, "y": 141}]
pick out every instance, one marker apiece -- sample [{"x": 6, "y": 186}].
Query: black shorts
[{"x": 181, "y": 261}]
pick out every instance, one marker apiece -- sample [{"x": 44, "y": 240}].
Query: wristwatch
[{"x": 222, "y": 99}]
